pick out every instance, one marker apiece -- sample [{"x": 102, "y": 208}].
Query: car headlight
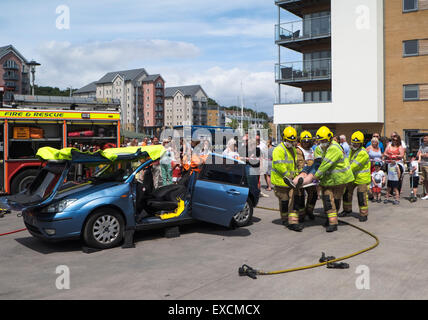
[{"x": 58, "y": 206}]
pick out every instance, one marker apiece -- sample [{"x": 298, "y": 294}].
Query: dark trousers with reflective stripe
[
  {"x": 312, "y": 196},
  {"x": 331, "y": 199},
  {"x": 288, "y": 207},
  {"x": 362, "y": 194}
]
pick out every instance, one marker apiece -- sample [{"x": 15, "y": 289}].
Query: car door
[{"x": 219, "y": 193}]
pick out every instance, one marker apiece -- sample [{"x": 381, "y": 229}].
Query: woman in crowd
[
  {"x": 394, "y": 152},
  {"x": 375, "y": 152}
]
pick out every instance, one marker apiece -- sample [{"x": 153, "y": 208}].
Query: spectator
[
  {"x": 395, "y": 152},
  {"x": 165, "y": 164},
  {"x": 267, "y": 175},
  {"x": 423, "y": 161},
  {"x": 156, "y": 170},
  {"x": 344, "y": 144},
  {"x": 230, "y": 150},
  {"x": 374, "y": 151},
  {"x": 134, "y": 142},
  {"x": 378, "y": 181},
  {"x": 381, "y": 146},
  {"x": 393, "y": 182},
  {"x": 145, "y": 141},
  {"x": 403, "y": 144},
  {"x": 414, "y": 177}
]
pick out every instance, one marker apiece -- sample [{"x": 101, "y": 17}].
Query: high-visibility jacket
[
  {"x": 334, "y": 169},
  {"x": 284, "y": 164},
  {"x": 360, "y": 165}
]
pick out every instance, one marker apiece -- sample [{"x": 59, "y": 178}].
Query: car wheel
[
  {"x": 23, "y": 180},
  {"x": 243, "y": 217},
  {"x": 104, "y": 229}
]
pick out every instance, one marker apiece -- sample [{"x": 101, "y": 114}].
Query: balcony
[
  {"x": 159, "y": 93},
  {"x": 10, "y": 76},
  {"x": 297, "y": 6},
  {"x": 159, "y": 101},
  {"x": 296, "y": 34},
  {"x": 10, "y": 65},
  {"x": 300, "y": 73}
]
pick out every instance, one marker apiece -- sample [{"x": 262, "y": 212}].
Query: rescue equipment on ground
[
  {"x": 176, "y": 213},
  {"x": 331, "y": 263}
]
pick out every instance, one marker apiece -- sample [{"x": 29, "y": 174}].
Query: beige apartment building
[
  {"x": 186, "y": 105},
  {"x": 141, "y": 96}
]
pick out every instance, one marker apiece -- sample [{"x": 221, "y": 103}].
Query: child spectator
[
  {"x": 378, "y": 180},
  {"x": 414, "y": 177},
  {"x": 393, "y": 182}
]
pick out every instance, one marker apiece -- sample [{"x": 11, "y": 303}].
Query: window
[
  {"x": 224, "y": 173},
  {"x": 410, "y": 5},
  {"x": 410, "y": 48},
  {"x": 411, "y": 92}
]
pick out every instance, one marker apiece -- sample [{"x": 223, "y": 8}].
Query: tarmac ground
[{"x": 203, "y": 262}]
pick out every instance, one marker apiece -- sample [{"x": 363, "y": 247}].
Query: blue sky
[{"x": 215, "y": 43}]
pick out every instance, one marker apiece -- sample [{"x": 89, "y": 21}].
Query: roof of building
[
  {"x": 5, "y": 50},
  {"x": 92, "y": 87},
  {"x": 127, "y": 75},
  {"x": 185, "y": 90},
  {"x": 151, "y": 77}
]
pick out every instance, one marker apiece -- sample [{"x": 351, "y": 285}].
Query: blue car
[{"x": 120, "y": 196}]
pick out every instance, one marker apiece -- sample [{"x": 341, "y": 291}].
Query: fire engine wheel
[
  {"x": 23, "y": 180},
  {"x": 104, "y": 229}
]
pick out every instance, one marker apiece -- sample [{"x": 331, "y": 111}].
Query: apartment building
[
  {"x": 406, "y": 67},
  {"x": 141, "y": 96},
  {"x": 186, "y": 105},
  {"x": 14, "y": 72},
  {"x": 337, "y": 63},
  {"x": 216, "y": 116}
]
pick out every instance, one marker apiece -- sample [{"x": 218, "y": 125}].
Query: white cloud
[
  {"x": 224, "y": 86},
  {"x": 65, "y": 64}
]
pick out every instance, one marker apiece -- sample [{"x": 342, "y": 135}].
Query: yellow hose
[{"x": 259, "y": 272}]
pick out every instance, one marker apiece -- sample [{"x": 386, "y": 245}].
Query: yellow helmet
[
  {"x": 357, "y": 137},
  {"x": 305, "y": 135},
  {"x": 290, "y": 134},
  {"x": 324, "y": 133}
]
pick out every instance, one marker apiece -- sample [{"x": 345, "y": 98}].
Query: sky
[{"x": 218, "y": 44}]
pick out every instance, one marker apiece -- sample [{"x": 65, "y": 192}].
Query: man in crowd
[{"x": 344, "y": 144}]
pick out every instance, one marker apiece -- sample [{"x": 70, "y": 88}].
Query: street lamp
[{"x": 33, "y": 64}]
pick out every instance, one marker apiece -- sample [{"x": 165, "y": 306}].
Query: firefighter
[
  {"x": 333, "y": 173},
  {"x": 360, "y": 165},
  {"x": 284, "y": 169},
  {"x": 305, "y": 158}
]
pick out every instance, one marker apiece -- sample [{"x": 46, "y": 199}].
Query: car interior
[{"x": 151, "y": 201}]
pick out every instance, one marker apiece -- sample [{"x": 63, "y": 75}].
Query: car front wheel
[
  {"x": 243, "y": 217},
  {"x": 104, "y": 229}
]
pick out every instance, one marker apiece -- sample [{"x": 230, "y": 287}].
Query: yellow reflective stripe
[
  {"x": 332, "y": 215},
  {"x": 293, "y": 215},
  {"x": 363, "y": 171}
]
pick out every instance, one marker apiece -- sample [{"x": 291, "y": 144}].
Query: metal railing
[
  {"x": 303, "y": 29},
  {"x": 11, "y": 76},
  {"x": 314, "y": 69}
]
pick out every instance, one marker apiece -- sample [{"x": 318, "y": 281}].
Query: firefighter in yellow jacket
[
  {"x": 360, "y": 165},
  {"x": 284, "y": 169},
  {"x": 333, "y": 173}
]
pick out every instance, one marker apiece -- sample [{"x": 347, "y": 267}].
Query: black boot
[
  {"x": 311, "y": 215},
  {"x": 331, "y": 228},
  {"x": 299, "y": 183},
  {"x": 362, "y": 218},
  {"x": 296, "y": 227},
  {"x": 344, "y": 213}
]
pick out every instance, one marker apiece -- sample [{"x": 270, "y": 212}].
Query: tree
[
  {"x": 51, "y": 91},
  {"x": 234, "y": 124}
]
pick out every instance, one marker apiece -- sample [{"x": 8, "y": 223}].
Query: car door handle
[{"x": 234, "y": 192}]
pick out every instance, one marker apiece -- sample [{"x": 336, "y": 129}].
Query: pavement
[{"x": 203, "y": 262}]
